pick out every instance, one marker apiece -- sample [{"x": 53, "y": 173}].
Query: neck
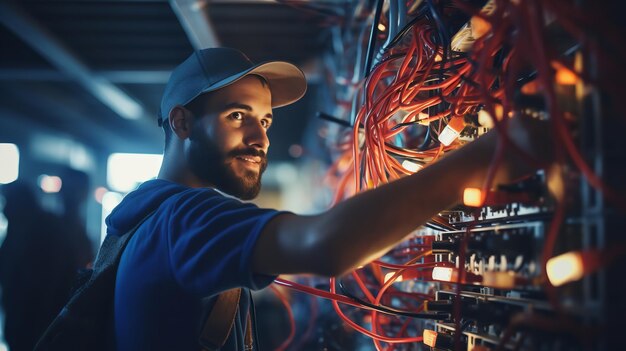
[{"x": 175, "y": 169}]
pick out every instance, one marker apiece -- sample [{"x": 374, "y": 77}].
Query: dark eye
[
  {"x": 237, "y": 115},
  {"x": 265, "y": 123}
]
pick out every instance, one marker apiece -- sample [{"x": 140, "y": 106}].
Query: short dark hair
[{"x": 196, "y": 106}]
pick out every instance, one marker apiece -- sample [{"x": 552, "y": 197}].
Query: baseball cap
[{"x": 211, "y": 69}]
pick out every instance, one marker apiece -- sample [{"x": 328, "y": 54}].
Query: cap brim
[{"x": 287, "y": 82}]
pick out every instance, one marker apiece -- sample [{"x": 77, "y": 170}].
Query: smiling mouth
[{"x": 250, "y": 159}]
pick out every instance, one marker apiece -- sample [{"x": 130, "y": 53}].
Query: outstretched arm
[{"x": 367, "y": 225}]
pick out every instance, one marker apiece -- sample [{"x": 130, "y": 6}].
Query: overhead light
[
  {"x": 126, "y": 171},
  {"x": 10, "y": 156},
  {"x": 61, "y": 150},
  {"x": 119, "y": 102}
]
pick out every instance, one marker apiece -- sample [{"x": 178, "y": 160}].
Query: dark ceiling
[{"x": 64, "y": 64}]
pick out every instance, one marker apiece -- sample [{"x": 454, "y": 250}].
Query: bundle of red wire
[{"x": 419, "y": 81}]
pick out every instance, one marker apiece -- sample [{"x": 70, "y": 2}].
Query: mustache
[{"x": 248, "y": 152}]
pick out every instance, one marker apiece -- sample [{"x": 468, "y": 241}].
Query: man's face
[{"x": 228, "y": 144}]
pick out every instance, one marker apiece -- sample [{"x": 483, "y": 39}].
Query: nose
[{"x": 256, "y": 136}]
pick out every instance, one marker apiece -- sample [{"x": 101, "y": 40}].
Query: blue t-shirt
[{"x": 197, "y": 244}]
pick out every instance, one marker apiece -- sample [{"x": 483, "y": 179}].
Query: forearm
[
  {"x": 369, "y": 223},
  {"x": 372, "y": 222}
]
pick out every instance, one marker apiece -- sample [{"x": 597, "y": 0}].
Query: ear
[{"x": 181, "y": 121}]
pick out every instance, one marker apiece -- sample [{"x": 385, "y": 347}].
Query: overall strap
[
  {"x": 220, "y": 321},
  {"x": 249, "y": 341}
]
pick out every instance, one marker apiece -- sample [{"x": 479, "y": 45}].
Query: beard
[{"x": 208, "y": 163}]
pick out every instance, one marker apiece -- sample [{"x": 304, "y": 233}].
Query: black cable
[
  {"x": 441, "y": 32},
  {"x": 372, "y": 41},
  {"x": 405, "y": 124},
  {"x": 390, "y": 310},
  {"x": 469, "y": 81},
  {"x": 445, "y": 44},
  {"x": 403, "y": 32},
  {"x": 334, "y": 119},
  {"x": 466, "y": 325},
  {"x": 420, "y": 15},
  {"x": 426, "y": 141},
  {"x": 438, "y": 226}
]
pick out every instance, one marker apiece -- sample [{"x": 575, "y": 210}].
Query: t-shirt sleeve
[{"x": 211, "y": 238}]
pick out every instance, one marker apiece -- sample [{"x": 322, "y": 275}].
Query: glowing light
[
  {"x": 500, "y": 280},
  {"x": 411, "y": 166},
  {"x": 381, "y": 27},
  {"x": 499, "y": 111},
  {"x": 564, "y": 75},
  {"x": 430, "y": 337},
  {"x": 530, "y": 88},
  {"x": 389, "y": 275},
  {"x": 111, "y": 199},
  {"x": 98, "y": 194},
  {"x": 50, "y": 184},
  {"x": 296, "y": 151},
  {"x": 472, "y": 197},
  {"x": 10, "y": 156},
  {"x": 126, "y": 171},
  {"x": 479, "y": 27},
  {"x": 485, "y": 119},
  {"x": 62, "y": 150},
  {"x": 4, "y": 224},
  {"x": 443, "y": 274},
  {"x": 565, "y": 268}
]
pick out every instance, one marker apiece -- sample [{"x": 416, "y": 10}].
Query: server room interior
[{"x": 393, "y": 85}]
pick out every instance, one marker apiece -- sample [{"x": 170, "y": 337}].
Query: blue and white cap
[{"x": 211, "y": 69}]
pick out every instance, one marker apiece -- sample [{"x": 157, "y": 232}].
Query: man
[{"x": 200, "y": 240}]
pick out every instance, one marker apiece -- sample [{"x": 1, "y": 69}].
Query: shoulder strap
[
  {"x": 113, "y": 246},
  {"x": 220, "y": 321}
]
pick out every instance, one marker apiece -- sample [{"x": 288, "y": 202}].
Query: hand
[
  {"x": 533, "y": 137},
  {"x": 527, "y": 146}
]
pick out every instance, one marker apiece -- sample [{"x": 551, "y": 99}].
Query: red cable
[{"x": 292, "y": 322}]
